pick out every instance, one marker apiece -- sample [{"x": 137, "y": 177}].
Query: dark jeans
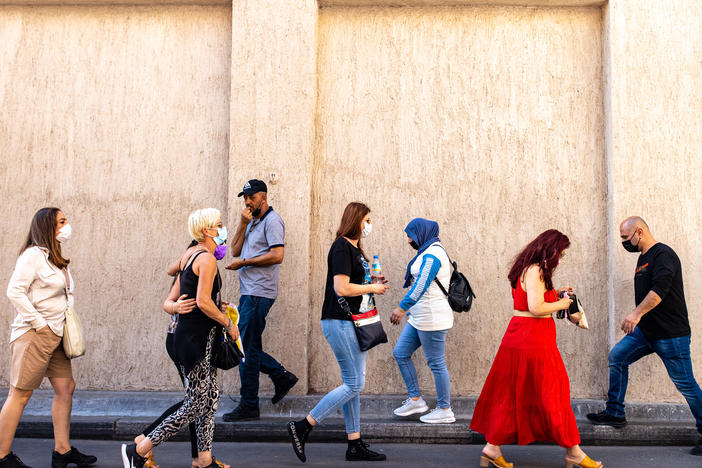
[
  {"x": 675, "y": 354},
  {"x": 170, "y": 348},
  {"x": 252, "y": 320}
]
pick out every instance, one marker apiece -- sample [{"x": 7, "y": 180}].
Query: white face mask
[
  {"x": 64, "y": 233},
  {"x": 367, "y": 229}
]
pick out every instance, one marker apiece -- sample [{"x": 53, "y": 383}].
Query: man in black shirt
[{"x": 658, "y": 324}]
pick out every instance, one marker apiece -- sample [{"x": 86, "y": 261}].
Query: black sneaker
[
  {"x": 283, "y": 384},
  {"x": 360, "y": 451},
  {"x": 298, "y": 433},
  {"x": 72, "y": 456},
  {"x": 12, "y": 461},
  {"x": 697, "y": 449},
  {"x": 242, "y": 413},
  {"x": 603, "y": 418},
  {"x": 130, "y": 457}
]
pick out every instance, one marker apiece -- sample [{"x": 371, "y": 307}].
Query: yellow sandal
[
  {"x": 498, "y": 462},
  {"x": 150, "y": 462},
  {"x": 586, "y": 462}
]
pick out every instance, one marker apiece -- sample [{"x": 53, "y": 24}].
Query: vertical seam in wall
[
  {"x": 229, "y": 114},
  {"x": 313, "y": 188},
  {"x": 609, "y": 166}
]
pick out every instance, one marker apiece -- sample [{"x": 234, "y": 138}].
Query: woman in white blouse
[{"x": 41, "y": 289}]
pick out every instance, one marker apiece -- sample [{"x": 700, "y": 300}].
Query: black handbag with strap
[
  {"x": 368, "y": 327},
  {"x": 225, "y": 353},
  {"x": 460, "y": 295}
]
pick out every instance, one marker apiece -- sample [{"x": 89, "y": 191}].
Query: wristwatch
[
  {"x": 229, "y": 327},
  {"x": 243, "y": 262}
]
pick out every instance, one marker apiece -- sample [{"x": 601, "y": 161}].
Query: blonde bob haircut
[{"x": 201, "y": 219}]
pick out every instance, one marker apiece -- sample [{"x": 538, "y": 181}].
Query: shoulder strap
[
  {"x": 191, "y": 259},
  {"x": 441, "y": 286}
]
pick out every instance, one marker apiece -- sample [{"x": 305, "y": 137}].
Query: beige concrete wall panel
[
  {"x": 451, "y": 3},
  {"x": 130, "y": 3},
  {"x": 273, "y": 93},
  {"x": 656, "y": 62},
  {"x": 119, "y": 116},
  {"x": 488, "y": 120}
]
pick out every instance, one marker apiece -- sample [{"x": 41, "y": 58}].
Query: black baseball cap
[{"x": 253, "y": 186}]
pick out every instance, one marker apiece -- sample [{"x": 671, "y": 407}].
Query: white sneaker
[
  {"x": 410, "y": 406},
  {"x": 439, "y": 416}
]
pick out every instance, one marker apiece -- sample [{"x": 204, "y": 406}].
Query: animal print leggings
[{"x": 199, "y": 405}]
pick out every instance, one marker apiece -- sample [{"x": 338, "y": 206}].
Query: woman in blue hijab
[{"x": 430, "y": 318}]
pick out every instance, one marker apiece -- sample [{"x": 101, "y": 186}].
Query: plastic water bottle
[{"x": 376, "y": 270}]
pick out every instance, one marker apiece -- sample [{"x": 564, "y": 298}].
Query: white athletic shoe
[
  {"x": 439, "y": 416},
  {"x": 409, "y": 406}
]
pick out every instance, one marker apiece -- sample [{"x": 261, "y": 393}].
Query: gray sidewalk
[
  {"x": 37, "y": 453},
  {"x": 121, "y": 415}
]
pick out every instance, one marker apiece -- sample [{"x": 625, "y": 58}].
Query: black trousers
[{"x": 170, "y": 349}]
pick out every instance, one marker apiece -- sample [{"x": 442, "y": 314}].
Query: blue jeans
[
  {"x": 434, "y": 345},
  {"x": 252, "y": 320},
  {"x": 675, "y": 354},
  {"x": 352, "y": 361}
]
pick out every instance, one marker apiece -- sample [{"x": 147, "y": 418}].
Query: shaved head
[{"x": 633, "y": 223}]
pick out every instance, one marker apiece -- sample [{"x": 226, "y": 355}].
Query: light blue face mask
[{"x": 221, "y": 236}]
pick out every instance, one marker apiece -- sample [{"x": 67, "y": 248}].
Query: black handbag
[
  {"x": 368, "y": 327},
  {"x": 225, "y": 352},
  {"x": 460, "y": 295}
]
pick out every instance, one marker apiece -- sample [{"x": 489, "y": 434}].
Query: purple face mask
[{"x": 220, "y": 251}]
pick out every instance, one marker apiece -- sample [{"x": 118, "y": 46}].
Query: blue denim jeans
[
  {"x": 352, "y": 361},
  {"x": 675, "y": 354},
  {"x": 252, "y": 320},
  {"x": 434, "y": 345}
]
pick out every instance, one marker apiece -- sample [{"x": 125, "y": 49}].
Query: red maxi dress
[{"x": 526, "y": 396}]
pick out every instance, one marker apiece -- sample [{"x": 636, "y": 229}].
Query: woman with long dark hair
[
  {"x": 526, "y": 396},
  {"x": 41, "y": 290},
  {"x": 347, "y": 280}
]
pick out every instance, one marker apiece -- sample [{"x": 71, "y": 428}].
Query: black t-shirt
[
  {"x": 343, "y": 259},
  {"x": 659, "y": 270}
]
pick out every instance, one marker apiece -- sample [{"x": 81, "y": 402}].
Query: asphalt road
[{"x": 37, "y": 454}]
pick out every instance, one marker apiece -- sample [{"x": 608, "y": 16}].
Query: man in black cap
[{"x": 258, "y": 244}]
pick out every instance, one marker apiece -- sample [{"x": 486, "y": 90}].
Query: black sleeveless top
[{"x": 194, "y": 328}]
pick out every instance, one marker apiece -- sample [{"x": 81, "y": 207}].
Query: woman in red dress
[{"x": 526, "y": 396}]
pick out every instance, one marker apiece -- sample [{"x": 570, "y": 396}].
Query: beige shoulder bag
[{"x": 73, "y": 343}]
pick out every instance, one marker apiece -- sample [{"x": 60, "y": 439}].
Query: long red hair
[
  {"x": 544, "y": 251},
  {"x": 350, "y": 226}
]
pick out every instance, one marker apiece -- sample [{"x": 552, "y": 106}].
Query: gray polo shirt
[{"x": 260, "y": 237}]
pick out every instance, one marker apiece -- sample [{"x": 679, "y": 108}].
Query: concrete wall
[
  {"x": 120, "y": 116},
  {"x": 498, "y": 122},
  {"x": 427, "y": 113}
]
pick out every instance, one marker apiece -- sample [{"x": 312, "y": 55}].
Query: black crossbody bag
[
  {"x": 368, "y": 327},
  {"x": 225, "y": 353}
]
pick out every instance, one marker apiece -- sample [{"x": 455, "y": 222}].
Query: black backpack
[{"x": 460, "y": 295}]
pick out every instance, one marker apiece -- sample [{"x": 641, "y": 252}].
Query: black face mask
[
  {"x": 414, "y": 245},
  {"x": 629, "y": 247},
  {"x": 257, "y": 211}
]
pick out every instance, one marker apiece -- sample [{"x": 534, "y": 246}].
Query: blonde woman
[
  {"x": 41, "y": 289},
  {"x": 194, "y": 338}
]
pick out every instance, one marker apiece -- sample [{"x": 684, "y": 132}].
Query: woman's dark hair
[
  {"x": 42, "y": 233},
  {"x": 350, "y": 226},
  {"x": 544, "y": 251}
]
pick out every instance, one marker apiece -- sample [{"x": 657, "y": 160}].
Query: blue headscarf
[{"x": 424, "y": 233}]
